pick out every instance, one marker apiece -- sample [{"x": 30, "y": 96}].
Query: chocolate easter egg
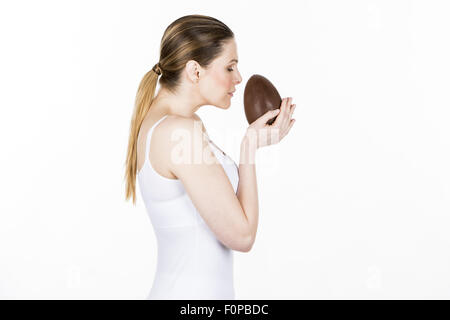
[{"x": 260, "y": 96}]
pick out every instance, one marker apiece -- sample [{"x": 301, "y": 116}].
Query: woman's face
[{"x": 221, "y": 78}]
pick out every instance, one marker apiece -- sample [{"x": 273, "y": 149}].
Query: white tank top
[{"x": 191, "y": 263}]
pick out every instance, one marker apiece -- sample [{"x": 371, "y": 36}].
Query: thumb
[{"x": 269, "y": 115}]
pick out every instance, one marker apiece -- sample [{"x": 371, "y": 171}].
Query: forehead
[{"x": 229, "y": 52}]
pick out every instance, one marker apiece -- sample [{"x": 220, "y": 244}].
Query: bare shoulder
[
  {"x": 179, "y": 137},
  {"x": 174, "y": 123}
]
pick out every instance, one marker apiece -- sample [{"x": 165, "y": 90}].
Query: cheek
[
  {"x": 217, "y": 86},
  {"x": 222, "y": 81}
]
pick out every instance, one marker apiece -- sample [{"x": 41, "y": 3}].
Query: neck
[{"x": 184, "y": 104}]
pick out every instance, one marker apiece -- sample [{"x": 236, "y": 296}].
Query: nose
[{"x": 239, "y": 78}]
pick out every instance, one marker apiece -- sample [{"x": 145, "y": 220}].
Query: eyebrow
[{"x": 233, "y": 60}]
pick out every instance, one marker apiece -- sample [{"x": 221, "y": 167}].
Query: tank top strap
[{"x": 149, "y": 137}]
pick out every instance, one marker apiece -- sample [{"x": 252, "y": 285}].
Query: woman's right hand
[{"x": 262, "y": 134}]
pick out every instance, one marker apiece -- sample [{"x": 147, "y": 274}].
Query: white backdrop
[{"x": 354, "y": 202}]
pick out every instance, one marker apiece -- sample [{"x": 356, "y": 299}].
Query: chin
[{"x": 222, "y": 105}]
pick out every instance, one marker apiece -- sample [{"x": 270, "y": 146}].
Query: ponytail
[{"x": 142, "y": 104}]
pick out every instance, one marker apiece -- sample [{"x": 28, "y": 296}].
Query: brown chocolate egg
[{"x": 260, "y": 96}]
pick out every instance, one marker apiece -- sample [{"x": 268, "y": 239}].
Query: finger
[
  {"x": 289, "y": 127},
  {"x": 291, "y": 124},
  {"x": 286, "y": 116},
  {"x": 289, "y": 104},
  {"x": 292, "y": 110},
  {"x": 289, "y": 116},
  {"x": 269, "y": 115},
  {"x": 279, "y": 120}
]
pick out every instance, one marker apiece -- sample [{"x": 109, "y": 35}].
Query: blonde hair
[{"x": 192, "y": 37}]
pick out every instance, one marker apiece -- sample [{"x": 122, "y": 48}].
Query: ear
[{"x": 193, "y": 70}]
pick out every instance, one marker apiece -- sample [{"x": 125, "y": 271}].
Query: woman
[{"x": 201, "y": 205}]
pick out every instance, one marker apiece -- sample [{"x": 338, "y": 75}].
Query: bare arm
[{"x": 247, "y": 191}]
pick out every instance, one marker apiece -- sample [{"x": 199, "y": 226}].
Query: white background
[{"x": 354, "y": 202}]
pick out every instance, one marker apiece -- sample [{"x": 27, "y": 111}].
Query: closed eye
[{"x": 230, "y": 69}]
